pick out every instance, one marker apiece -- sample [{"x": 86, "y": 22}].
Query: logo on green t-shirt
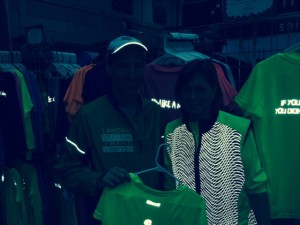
[
  {"x": 148, "y": 222},
  {"x": 288, "y": 106}
]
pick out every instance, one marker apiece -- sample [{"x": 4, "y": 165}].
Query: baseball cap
[{"x": 122, "y": 41}]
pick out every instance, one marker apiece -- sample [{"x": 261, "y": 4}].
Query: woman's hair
[{"x": 203, "y": 68}]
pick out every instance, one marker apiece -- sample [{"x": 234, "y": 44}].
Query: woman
[{"x": 214, "y": 152}]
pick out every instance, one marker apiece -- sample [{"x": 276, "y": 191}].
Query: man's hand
[{"x": 114, "y": 177}]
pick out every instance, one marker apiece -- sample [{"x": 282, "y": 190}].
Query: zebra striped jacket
[{"x": 222, "y": 165}]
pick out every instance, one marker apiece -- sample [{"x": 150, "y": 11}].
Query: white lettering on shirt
[
  {"x": 170, "y": 104},
  {"x": 3, "y": 93},
  {"x": 51, "y": 99},
  {"x": 116, "y": 140},
  {"x": 155, "y": 204},
  {"x": 288, "y": 107},
  {"x": 148, "y": 222}
]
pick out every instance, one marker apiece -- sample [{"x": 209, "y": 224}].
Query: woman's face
[{"x": 196, "y": 97}]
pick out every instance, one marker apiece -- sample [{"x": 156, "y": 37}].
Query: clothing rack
[
  {"x": 64, "y": 65},
  {"x": 29, "y": 126},
  {"x": 5, "y": 57}
]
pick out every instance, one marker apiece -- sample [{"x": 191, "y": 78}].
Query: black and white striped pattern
[{"x": 220, "y": 169}]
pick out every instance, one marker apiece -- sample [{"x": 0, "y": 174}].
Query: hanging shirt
[
  {"x": 11, "y": 119},
  {"x": 37, "y": 112},
  {"x": 26, "y": 107},
  {"x": 271, "y": 98},
  {"x": 73, "y": 96},
  {"x": 31, "y": 192},
  {"x": 136, "y": 204},
  {"x": 228, "y": 92},
  {"x": 159, "y": 86},
  {"x": 13, "y": 198}
]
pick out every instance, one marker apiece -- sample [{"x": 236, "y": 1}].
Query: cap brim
[{"x": 130, "y": 43}]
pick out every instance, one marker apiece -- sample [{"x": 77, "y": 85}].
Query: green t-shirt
[
  {"x": 271, "y": 99},
  {"x": 13, "y": 199},
  {"x": 136, "y": 204},
  {"x": 26, "y": 109},
  {"x": 31, "y": 192}
]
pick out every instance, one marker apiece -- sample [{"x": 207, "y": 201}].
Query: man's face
[{"x": 127, "y": 70}]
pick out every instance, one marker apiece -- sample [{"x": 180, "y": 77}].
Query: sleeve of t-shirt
[
  {"x": 255, "y": 175},
  {"x": 99, "y": 211},
  {"x": 251, "y": 96},
  {"x": 73, "y": 163}
]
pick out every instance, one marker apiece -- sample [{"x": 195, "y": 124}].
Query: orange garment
[{"x": 73, "y": 96}]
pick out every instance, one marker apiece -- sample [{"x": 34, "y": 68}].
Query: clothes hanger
[
  {"x": 5, "y": 61},
  {"x": 158, "y": 167},
  {"x": 17, "y": 60},
  {"x": 181, "y": 45},
  {"x": 65, "y": 64},
  {"x": 179, "y": 49}
]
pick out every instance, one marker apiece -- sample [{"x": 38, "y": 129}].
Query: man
[{"x": 116, "y": 133}]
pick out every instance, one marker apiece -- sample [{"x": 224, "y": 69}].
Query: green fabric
[
  {"x": 105, "y": 136},
  {"x": 15, "y": 206},
  {"x": 255, "y": 177},
  {"x": 26, "y": 109},
  {"x": 31, "y": 193},
  {"x": 134, "y": 203},
  {"x": 238, "y": 123},
  {"x": 271, "y": 99}
]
